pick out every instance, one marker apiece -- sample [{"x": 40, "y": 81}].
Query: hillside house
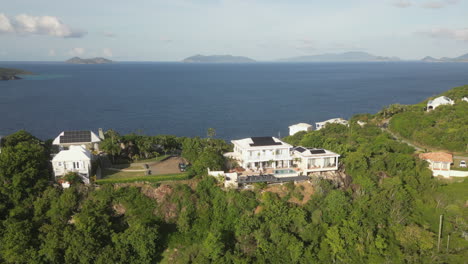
[
  {"x": 77, "y": 138},
  {"x": 268, "y": 159},
  {"x": 75, "y": 159},
  {"x": 261, "y": 152},
  {"x": 320, "y": 125},
  {"x": 438, "y": 161},
  {"x": 441, "y": 100},
  {"x": 293, "y": 129},
  {"x": 314, "y": 160}
]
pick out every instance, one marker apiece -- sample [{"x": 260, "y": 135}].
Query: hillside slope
[{"x": 444, "y": 128}]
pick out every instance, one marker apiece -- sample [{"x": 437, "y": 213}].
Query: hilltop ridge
[
  {"x": 462, "y": 58},
  {"x": 217, "y": 59},
  {"x": 353, "y": 56},
  {"x": 97, "y": 60}
]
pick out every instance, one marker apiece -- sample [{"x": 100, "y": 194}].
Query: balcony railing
[{"x": 267, "y": 157}]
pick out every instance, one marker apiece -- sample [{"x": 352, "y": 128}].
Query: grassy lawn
[
  {"x": 111, "y": 174},
  {"x": 124, "y": 177}
]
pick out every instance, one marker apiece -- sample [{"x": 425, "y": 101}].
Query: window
[{"x": 60, "y": 164}]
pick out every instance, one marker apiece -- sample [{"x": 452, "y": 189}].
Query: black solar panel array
[
  {"x": 317, "y": 151},
  {"x": 75, "y": 137},
  {"x": 300, "y": 149},
  {"x": 263, "y": 141}
]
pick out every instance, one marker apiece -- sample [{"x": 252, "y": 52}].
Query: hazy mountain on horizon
[
  {"x": 97, "y": 60},
  {"x": 352, "y": 56},
  {"x": 217, "y": 59},
  {"x": 462, "y": 58}
]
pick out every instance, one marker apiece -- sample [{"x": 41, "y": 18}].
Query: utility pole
[{"x": 440, "y": 233}]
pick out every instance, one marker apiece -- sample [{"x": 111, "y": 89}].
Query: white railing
[{"x": 266, "y": 157}]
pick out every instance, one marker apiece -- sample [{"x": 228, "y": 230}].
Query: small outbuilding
[
  {"x": 293, "y": 129},
  {"x": 320, "y": 125},
  {"x": 441, "y": 100}
]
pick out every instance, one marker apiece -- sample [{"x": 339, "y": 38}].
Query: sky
[{"x": 265, "y": 30}]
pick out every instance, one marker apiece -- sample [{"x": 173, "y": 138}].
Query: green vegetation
[
  {"x": 443, "y": 128},
  {"x": 10, "y": 74},
  {"x": 387, "y": 211},
  {"x": 124, "y": 178}
]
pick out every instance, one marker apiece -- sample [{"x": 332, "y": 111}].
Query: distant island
[
  {"x": 462, "y": 58},
  {"x": 217, "y": 59},
  {"x": 11, "y": 74},
  {"x": 98, "y": 60},
  {"x": 340, "y": 57}
]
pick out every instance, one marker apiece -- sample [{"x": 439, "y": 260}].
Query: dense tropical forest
[
  {"x": 386, "y": 212},
  {"x": 444, "y": 128}
]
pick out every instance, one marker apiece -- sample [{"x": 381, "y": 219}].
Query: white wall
[
  {"x": 450, "y": 173},
  {"x": 294, "y": 129}
]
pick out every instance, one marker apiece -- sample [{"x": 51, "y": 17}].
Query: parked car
[
  {"x": 182, "y": 166},
  {"x": 462, "y": 164}
]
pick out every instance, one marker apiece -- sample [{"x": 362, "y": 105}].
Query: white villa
[
  {"x": 320, "y": 125},
  {"x": 268, "y": 159},
  {"x": 441, "y": 100},
  {"x": 314, "y": 160},
  {"x": 293, "y": 129},
  {"x": 75, "y": 159},
  {"x": 261, "y": 152},
  {"x": 77, "y": 138},
  {"x": 465, "y": 99}
]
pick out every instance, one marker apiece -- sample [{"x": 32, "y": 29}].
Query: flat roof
[
  {"x": 301, "y": 125},
  {"x": 256, "y": 142},
  {"x": 310, "y": 152}
]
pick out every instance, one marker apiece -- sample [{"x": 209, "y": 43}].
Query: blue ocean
[{"x": 237, "y": 100}]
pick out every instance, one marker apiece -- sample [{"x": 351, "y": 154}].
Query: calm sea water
[{"x": 238, "y": 100}]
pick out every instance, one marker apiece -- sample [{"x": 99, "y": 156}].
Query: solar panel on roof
[
  {"x": 300, "y": 149},
  {"x": 75, "y": 137},
  {"x": 317, "y": 151},
  {"x": 263, "y": 141}
]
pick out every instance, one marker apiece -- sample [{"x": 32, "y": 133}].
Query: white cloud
[
  {"x": 5, "y": 24},
  {"x": 52, "y": 52},
  {"x": 402, "y": 3},
  {"x": 446, "y": 33},
  {"x": 77, "y": 51},
  {"x": 107, "y": 52},
  {"x": 439, "y": 4},
  {"x": 40, "y": 25}
]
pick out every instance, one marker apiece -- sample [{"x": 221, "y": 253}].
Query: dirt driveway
[{"x": 169, "y": 166}]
